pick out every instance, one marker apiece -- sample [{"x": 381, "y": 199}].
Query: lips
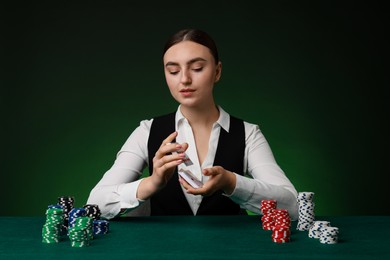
[{"x": 187, "y": 90}]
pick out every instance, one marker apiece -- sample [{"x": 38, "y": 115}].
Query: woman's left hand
[{"x": 220, "y": 179}]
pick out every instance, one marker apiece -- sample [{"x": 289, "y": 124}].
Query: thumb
[{"x": 215, "y": 170}]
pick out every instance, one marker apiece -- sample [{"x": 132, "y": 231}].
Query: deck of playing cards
[{"x": 190, "y": 178}]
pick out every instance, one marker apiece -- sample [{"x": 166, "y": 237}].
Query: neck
[{"x": 205, "y": 115}]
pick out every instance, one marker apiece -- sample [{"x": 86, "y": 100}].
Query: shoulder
[{"x": 249, "y": 127}]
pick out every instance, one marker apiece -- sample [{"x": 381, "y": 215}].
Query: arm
[
  {"x": 269, "y": 181},
  {"x": 120, "y": 188},
  {"x": 117, "y": 188}
]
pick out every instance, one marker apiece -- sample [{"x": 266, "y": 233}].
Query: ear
[{"x": 218, "y": 72}]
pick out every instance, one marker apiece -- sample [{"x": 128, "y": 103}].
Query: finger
[
  {"x": 166, "y": 171},
  {"x": 172, "y": 164},
  {"x": 199, "y": 191},
  {"x": 215, "y": 170},
  {"x": 168, "y": 158},
  {"x": 167, "y": 146},
  {"x": 184, "y": 147},
  {"x": 189, "y": 189},
  {"x": 183, "y": 182},
  {"x": 161, "y": 175},
  {"x": 169, "y": 139}
]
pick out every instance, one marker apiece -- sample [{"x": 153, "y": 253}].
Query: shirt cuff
[
  {"x": 128, "y": 195},
  {"x": 243, "y": 191}
]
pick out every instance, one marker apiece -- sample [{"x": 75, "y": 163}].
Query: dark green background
[{"x": 78, "y": 78}]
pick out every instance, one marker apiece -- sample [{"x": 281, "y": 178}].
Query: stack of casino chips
[
  {"x": 281, "y": 234},
  {"x": 277, "y": 220},
  {"x": 51, "y": 230},
  {"x": 79, "y": 237},
  {"x": 281, "y": 229},
  {"x": 315, "y": 228},
  {"x": 92, "y": 211},
  {"x": 281, "y": 217},
  {"x": 79, "y": 224},
  {"x": 74, "y": 214},
  {"x": 306, "y": 215},
  {"x": 100, "y": 227},
  {"x": 67, "y": 203},
  {"x": 80, "y": 232},
  {"x": 266, "y": 207},
  {"x": 324, "y": 232},
  {"x": 87, "y": 223},
  {"x": 329, "y": 235}
]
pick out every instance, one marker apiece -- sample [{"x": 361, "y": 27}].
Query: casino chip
[
  {"x": 329, "y": 235},
  {"x": 92, "y": 211},
  {"x": 324, "y": 232},
  {"x": 317, "y": 229},
  {"x": 51, "y": 230},
  {"x": 277, "y": 220},
  {"x": 67, "y": 204},
  {"x": 74, "y": 214},
  {"x": 281, "y": 234},
  {"x": 267, "y": 207},
  {"x": 81, "y": 231},
  {"x": 78, "y": 224},
  {"x": 101, "y": 227},
  {"x": 306, "y": 214},
  {"x": 281, "y": 229}
]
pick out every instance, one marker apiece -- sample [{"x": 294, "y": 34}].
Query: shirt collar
[{"x": 223, "y": 120}]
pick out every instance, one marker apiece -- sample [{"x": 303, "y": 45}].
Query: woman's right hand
[
  {"x": 165, "y": 161},
  {"x": 164, "y": 164}
]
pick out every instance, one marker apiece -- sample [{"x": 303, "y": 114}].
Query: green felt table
[{"x": 200, "y": 237}]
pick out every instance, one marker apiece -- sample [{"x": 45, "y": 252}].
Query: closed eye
[{"x": 198, "y": 69}]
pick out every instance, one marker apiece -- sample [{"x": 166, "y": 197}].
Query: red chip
[{"x": 281, "y": 240}]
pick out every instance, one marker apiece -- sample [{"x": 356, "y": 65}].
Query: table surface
[{"x": 198, "y": 237}]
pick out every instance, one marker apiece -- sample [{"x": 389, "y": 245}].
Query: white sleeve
[
  {"x": 118, "y": 187},
  {"x": 267, "y": 180}
]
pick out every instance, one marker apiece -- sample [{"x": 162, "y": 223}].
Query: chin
[{"x": 186, "y": 102}]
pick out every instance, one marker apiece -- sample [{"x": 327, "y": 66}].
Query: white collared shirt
[{"x": 266, "y": 180}]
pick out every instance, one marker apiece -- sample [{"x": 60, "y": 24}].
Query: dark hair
[{"x": 194, "y": 35}]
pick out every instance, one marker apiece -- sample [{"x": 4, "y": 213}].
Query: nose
[{"x": 185, "y": 77}]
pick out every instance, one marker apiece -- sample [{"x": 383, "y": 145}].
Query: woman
[{"x": 221, "y": 148}]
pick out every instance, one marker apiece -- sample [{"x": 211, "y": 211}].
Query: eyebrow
[{"x": 171, "y": 63}]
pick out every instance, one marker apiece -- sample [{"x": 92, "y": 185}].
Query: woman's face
[{"x": 190, "y": 73}]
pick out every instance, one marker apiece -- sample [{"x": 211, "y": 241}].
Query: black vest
[{"x": 230, "y": 155}]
